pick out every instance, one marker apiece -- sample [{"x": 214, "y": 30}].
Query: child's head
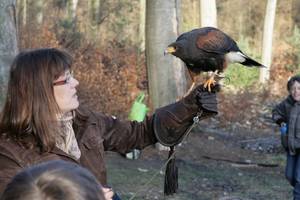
[
  {"x": 293, "y": 87},
  {"x": 54, "y": 180}
]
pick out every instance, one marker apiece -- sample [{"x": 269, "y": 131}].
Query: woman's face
[
  {"x": 295, "y": 91},
  {"x": 65, "y": 92}
]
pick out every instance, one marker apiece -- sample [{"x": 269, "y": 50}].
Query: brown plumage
[{"x": 208, "y": 49}]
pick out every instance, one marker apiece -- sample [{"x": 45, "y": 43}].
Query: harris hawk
[{"x": 208, "y": 49}]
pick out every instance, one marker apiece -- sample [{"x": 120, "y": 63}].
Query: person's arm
[
  {"x": 124, "y": 135},
  {"x": 172, "y": 122},
  {"x": 279, "y": 113},
  {"x": 173, "y": 119}
]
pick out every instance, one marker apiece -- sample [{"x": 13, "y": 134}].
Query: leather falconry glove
[
  {"x": 205, "y": 100},
  {"x": 172, "y": 122}
]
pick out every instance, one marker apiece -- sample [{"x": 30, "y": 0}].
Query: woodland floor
[{"x": 222, "y": 163}]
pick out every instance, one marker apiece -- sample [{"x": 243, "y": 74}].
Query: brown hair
[
  {"x": 54, "y": 180},
  {"x": 30, "y": 108}
]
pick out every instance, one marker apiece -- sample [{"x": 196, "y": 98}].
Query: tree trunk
[
  {"x": 195, "y": 13},
  {"x": 94, "y": 6},
  {"x": 166, "y": 74},
  {"x": 34, "y": 12},
  {"x": 21, "y": 15},
  {"x": 8, "y": 40},
  {"x": 142, "y": 25},
  {"x": 267, "y": 41},
  {"x": 73, "y": 8},
  {"x": 208, "y": 13},
  {"x": 39, "y": 13}
]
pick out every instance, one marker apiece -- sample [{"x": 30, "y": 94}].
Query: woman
[
  {"x": 54, "y": 180},
  {"x": 287, "y": 114},
  {"x": 41, "y": 119}
]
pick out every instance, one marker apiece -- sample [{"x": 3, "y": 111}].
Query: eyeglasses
[{"x": 69, "y": 76}]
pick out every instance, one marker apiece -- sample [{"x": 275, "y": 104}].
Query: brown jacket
[{"x": 95, "y": 134}]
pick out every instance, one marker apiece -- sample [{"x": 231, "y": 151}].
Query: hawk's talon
[{"x": 209, "y": 82}]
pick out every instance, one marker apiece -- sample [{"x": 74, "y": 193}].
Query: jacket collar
[
  {"x": 81, "y": 116},
  {"x": 58, "y": 151},
  {"x": 290, "y": 100}
]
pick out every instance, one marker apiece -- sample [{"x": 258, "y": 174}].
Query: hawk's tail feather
[{"x": 249, "y": 62}]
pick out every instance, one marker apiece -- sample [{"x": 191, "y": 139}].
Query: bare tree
[
  {"x": 208, "y": 11},
  {"x": 165, "y": 73},
  {"x": 73, "y": 8},
  {"x": 22, "y": 11},
  {"x": 8, "y": 39},
  {"x": 39, "y": 13},
  {"x": 267, "y": 40},
  {"x": 142, "y": 25}
]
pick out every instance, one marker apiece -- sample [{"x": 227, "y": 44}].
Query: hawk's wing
[{"x": 215, "y": 41}]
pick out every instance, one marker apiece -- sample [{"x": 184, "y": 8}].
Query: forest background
[
  {"x": 107, "y": 41},
  {"x": 110, "y": 40}
]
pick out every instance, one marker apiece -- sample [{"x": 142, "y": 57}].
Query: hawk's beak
[{"x": 169, "y": 50}]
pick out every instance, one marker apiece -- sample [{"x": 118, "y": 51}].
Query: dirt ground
[{"x": 228, "y": 163}]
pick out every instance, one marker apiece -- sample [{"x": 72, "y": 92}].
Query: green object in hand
[
  {"x": 139, "y": 109},
  {"x": 137, "y": 112}
]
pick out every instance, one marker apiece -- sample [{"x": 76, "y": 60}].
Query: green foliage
[
  {"x": 241, "y": 76},
  {"x": 61, "y": 4},
  {"x": 238, "y": 75},
  {"x": 294, "y": 41},
  {"x": 295, "y": 68},
  {"x": 66, "y": 23}
]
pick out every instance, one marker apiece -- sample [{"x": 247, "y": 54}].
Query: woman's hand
[{"x": 108, "y": 193}]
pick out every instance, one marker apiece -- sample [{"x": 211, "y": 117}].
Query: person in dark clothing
[
  {"x": 41, "y": 119},
  {"x": 54, "y": 180},
  {"x": 287, "y": 115}
]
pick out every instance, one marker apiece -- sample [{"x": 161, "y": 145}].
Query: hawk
[{"x": 208, "y": 49}]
